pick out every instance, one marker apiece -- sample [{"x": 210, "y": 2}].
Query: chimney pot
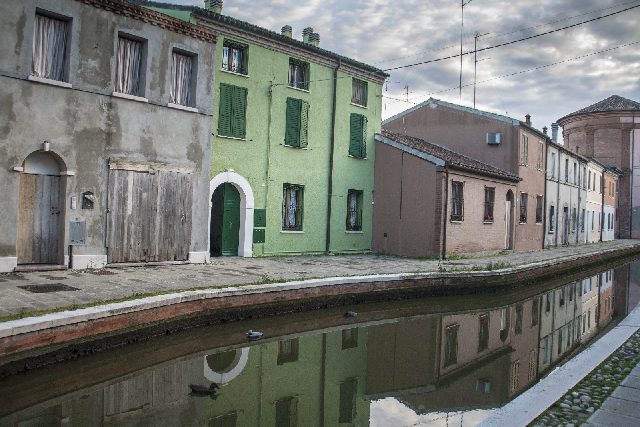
[
  {"x": 554, "y": 131},
  {"x": 287, "y": 31},
  {"x": 314, "y": 39},
  {"x": 306, "y": 33},
  {"x": 214, "y": 6},
  {"x": 544, "y": 130},
  {"x": 527, "y": 119}
]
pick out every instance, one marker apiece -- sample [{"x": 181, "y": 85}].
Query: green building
[{"x": 293, "y": 149}]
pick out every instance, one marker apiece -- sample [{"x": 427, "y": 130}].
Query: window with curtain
[
  {"x": 354, "y": 210},
  {"x": 128, "y": 67},
  {"x": 457, "y": 201},
  {"x": 292, "y": 207},
  {"x": 538, "y": 209},
  {"x": 524, "y": 198},
  {"x": 235, "y": 57},
  {"x": 359, "y": 92},
  {"x": 49, "y": 47},
  {"x": 489, "y": 200},
  {"x": 552, "y": 218},
  {"x": 298, "y": 74},
  {"x": 182, "y": 66}
]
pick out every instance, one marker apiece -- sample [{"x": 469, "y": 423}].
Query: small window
[
  {"x": 539, "y": 209},
  {"x": 347, "y": 404},
  {"x": 515, "y": 375},
  {"x": 235, "y": 57},
  {"x": 349, "y": 338},
  {"x": 287, "y": 351},
  {"x": 297, "y": 133},
  {"x": 540, "y": 155},
  {"x": 483, "y": 333},
  {"x": 553, "y": 165},
  {"x": 182, "y": 79},
  {"x": 575, "y": 173},
  {"x": 457, "y": 201},
  {"x": 451, "y": 345},
  {"x": 552, "y": 218},
  {"x": 589, "y": 180},
  {"x": 129, "y": 72},
  {"x": 232, "y": 111},
  {"x": 358, "y": 136},
  {"x": 547, "y": 308},
  {"x": 566, "y": 170},
  {"x": 292, "y": 202},
  {"x": 561, "y": 297},
  {"x": 489, "y": 200},
  {"x": 298, "y": 74},
  {"x": 519, "y": 315},
  {"x": 524, "y": 150},
  {"x": 574, "y": 220},
  {"x": 50, "y": 48},
  {"x": 584, "y": 177},
  {"x": 359, "y": 92},
  {"x": 354, "y": 210},
  {"x": 524, "y": 197},
  {"x": 535, "y": 311},
  {"x": 286, "y": 412}
]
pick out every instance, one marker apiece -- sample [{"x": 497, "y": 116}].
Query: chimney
[
  {"x": 214, "y": 6},
  {"x": 287, "y": 31},
  {"x": 527, "y": 119},
  {"x": 544, "y": 130},
  {"x": 554, "y": 131},
  {"x": 314, "y": 39},
  {"x": 306, "y": 33}
]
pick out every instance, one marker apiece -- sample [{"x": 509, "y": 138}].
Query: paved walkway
[{"x": 90, "y": 286}]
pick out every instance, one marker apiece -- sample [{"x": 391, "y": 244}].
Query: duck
[
  {"x": 203, "y": 390},
  {"x": 254, "y": 335},
  {"x": 350, "y": 314}
]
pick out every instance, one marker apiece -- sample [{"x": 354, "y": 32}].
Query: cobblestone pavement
[{"x": 113, "y": 283}]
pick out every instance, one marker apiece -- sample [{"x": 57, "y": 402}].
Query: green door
[{"x": 230, "y": 221}]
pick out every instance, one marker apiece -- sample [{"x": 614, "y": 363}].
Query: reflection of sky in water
[{"x": 390, "y": 412}]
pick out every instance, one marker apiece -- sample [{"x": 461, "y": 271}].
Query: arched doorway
[
  {"x": 239, "y": 195},
  {"x": 225, "y": 221},
  {"x": 41, "y": 210},
  {"x": 508, "y": 221},
  {"x": 223, "y": 367}
]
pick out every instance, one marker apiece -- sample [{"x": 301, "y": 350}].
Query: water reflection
[{"x": 445, "y": 368}]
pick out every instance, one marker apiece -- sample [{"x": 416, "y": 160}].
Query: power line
[
  {"x": 512, "y": 41},
  {"x": 517, "y": 72}
]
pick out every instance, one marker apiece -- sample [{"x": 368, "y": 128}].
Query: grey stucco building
[{"x": 105, "y": 112}]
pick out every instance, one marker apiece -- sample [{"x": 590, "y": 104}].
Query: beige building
[
  {"x": 432, "y": 201},
  {"x": 500, "y": 141},
  {"x": 593, "y": 220}
]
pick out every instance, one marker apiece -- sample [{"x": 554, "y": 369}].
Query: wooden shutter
[
  {"x": 238, "y": 112},
  {"x": 224, "y": 115},
  {"x": 358, "y": 136},
  {"x": 363, "y": 142},
  {"x": 304, "y": 124},
  {"x": 292, "y": 132}
]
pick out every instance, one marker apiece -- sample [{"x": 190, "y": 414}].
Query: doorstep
[{"x": 22, "y": 268}]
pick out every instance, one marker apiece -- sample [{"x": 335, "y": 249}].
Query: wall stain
[
  {"x": 22, "y": 22},
  {"x": 146, "y": 144},
  {"x": 6, "y": 110}
]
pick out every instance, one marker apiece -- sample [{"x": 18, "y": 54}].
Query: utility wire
[
  {"x": 512, "y": 41},
  {"x": 516, "y": 72}
]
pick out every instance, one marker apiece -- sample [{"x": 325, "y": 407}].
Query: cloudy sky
[{"x": 389, "y": 34}]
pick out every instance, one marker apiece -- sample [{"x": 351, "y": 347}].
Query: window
[
  {"x": 593, "y": 219},
  {"x": 227, "y": 420},
  {"x": 292, "y": 200},
  {"x": 287, "y": 351},
  {"x": 540, "y": 155},
  {"x": 561, "y": 297},
  {"x": 347, "y": 408},
  {"x": 296, "y": 132},
  {"x": 552, "y": 218},
  {"x": 524, "y": 150},
  {"x": 235, "y": 57},
  {"x": 298, "y": 74},
  {"x": 457, "y": 201},
  {"x": 575, "y": 173},
  {"x": 451, "y": 345},
  {"x": 489, "y": 199},
  {"x": 532, "y": 365},
  {"x": 358, "y": 136},
  {"x": 539, "y": 209},
  {"x": 553, "y": 165},
  {"x": 483, "y": 333},
  {"x": 233, "y": 110},
  {"x": 566, "y": 170},
  {"x": 534, "y": 311},
  {"x": 359, "y": 92},
  {"x": 519, "y": 315},
  {"x": 349, "y": 338},
  {"x": 582, "y": 220},
  {"x": 129, "y": 73},
  {"x": 560, "y": 341},
  {"x": 523, "y": 207},
  {"x": 547, "y": 307},
  {"x": 181, "y": 79},
  {"x": 287, "y": 412},
  {"x": 354, "y": 210},
  {"x": 515, "y": 373},
  {"x": 49, "y": 48},
  {"x": 584, "y": 177},
  {"x": 589, "y": 180},
  {"x": 574, "y": 217}
]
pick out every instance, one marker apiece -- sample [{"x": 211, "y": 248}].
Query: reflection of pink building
[
  {"x": 589, "y": 306},
  {"x": 524, "y": 340},
  {"x": 606, "y": 304}
]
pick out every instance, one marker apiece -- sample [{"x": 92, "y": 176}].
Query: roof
[
  {"x": 552, "y": 143},
  {"x": 614, "y": 103},
  {"x": 125, "y": 8},
  {"x": 225, "y": 19},
  {"x": 442, "y": 156}
]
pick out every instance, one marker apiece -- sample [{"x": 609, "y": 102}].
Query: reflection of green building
[
  {"x": 299, "y": 381},
  {"x": 293, "y": 148}
]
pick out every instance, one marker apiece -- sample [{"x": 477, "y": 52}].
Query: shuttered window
[
  {"x": 358, "y": 136},
  {"x": 292, "y": 206},
  {"x": 233, "y": 110},
  {"x": 296, "y": 133}
]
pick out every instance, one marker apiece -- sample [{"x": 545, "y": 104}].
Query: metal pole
[
  {"x": 461, "y": 32},
  {"x": 475, "y": 67}
]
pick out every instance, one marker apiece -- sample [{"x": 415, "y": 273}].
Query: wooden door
[
  {"x": 149, "y": 215},
  {"x": 39, "y": 220},
  {"x": 230, "y": 221}
]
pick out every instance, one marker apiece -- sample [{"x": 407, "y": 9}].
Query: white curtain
[
  {"x": 353, "y": 210},
  {"x": 49, "y": 43},
  {"x": 128, "y": 67},
  {"x": 181, "y": 79},
  {"x": 292, "y": 209}
]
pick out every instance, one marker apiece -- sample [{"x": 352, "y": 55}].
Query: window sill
[
  {"x": 522, "y": 223},
  {"x": 292, "y": 231},
  {"x": 230, "y": 137},
  {"x": 246, "y": 76},
  {"x": 358, "y": 158},
  {"x": 130, "y": 97},
  {"x": 299, "y": 89},
  {"x": 539, "y": 223},
  {"x": 354, "y": 232},
  {"x": 359, "y": 106},
  {"x": 183, "y": 107},
  {"x": 50, "y": 82},
  {"x": 293, "y": 146},
  {"x": 551, "y": 232},
  {"x": 456, "y": 221},
  {"x": 487, "y": 222}
]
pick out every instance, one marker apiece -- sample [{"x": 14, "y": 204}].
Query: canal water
[{"x": 434, "y": 361}]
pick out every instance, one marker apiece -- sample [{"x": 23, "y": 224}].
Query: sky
[{"x": 393, "y": 33}]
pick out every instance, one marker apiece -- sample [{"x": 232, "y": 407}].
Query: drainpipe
[
  {"x": 544, "y": 200},
  {"x": 331, "y": 150},
  {"x": 558, "y": 200},
  {"x": 632, "y": 139},
  {"x": 266, "y": 172},
  {"x": 443, "y": 252},
  {"x": 601, "y": 206}
]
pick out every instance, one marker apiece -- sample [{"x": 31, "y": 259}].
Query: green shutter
[
  {"x": 304, "y": 124},
  {"x": 238, "y": 112},
  {"x": 224, "y": 115},
  {"x": 358, "y": 136},
  {"x": 363, "y": 142},
  {"x": 292, "y": 132}
]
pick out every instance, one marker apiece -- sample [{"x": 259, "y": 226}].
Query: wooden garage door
[{"x": 149, "y": 213}]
